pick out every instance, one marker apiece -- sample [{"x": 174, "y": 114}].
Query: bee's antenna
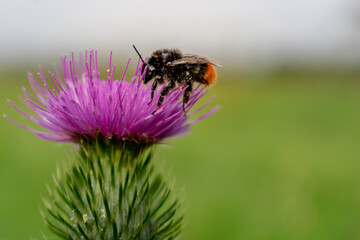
[
  {"x": 139, "y": 54},
  {"x": 147, "y": 64}
]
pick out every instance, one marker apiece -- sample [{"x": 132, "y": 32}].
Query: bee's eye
[{"x": 148, "y": 76}]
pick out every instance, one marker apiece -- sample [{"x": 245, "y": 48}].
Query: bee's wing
[{"x": 192, "y": 59}]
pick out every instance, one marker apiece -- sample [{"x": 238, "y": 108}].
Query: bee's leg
[
  {"x": 187, "y": 92},
  {"x": 153, "y": 87},
  {"x": 164, "y": 92}
]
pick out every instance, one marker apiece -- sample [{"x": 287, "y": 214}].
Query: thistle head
[{"x": 78, "y": 105}]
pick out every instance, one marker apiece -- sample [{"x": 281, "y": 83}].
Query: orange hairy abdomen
[{"x": 210, "y": 74}]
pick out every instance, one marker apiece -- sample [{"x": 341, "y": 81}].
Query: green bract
[{"x": 110, "y": 194}]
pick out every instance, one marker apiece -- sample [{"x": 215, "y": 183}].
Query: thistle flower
[{"x": 81, "y": 106}]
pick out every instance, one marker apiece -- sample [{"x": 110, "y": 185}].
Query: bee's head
[{"x": 150, "y": 70}]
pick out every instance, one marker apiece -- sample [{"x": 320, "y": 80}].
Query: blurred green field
[{"x": 280, "y": 160}]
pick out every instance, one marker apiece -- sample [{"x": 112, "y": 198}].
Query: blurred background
[{"x": 280, "y": 160}]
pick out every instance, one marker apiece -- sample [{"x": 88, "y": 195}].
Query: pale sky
[{"x": 239, "y": 31}]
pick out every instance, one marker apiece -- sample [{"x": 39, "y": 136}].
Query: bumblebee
[{"x": 174, "y": 67}]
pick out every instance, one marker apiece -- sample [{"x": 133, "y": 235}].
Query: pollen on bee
[{"x": 210, "y": 74}]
